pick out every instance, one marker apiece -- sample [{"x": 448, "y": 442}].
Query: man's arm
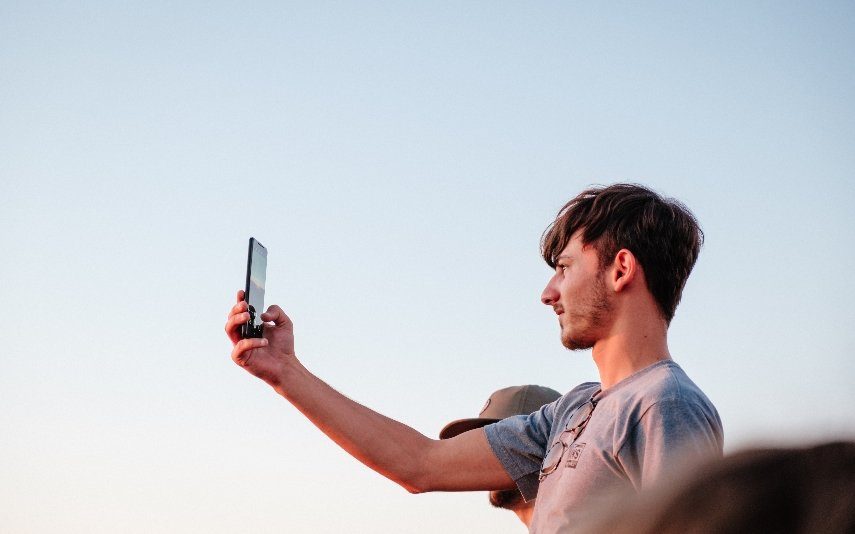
[{"x": 396, "y": 451}]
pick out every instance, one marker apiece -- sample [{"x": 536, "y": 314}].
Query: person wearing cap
[
  {"x": 504, "y": 403},
  {"x": 620, "y": 256}
]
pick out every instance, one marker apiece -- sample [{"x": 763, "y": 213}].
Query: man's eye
[{"x": 562, "y": 268}]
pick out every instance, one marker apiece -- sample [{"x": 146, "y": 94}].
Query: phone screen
[{"x": 256, "y": 272}]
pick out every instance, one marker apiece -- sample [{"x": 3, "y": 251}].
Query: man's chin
[{"x": 575, "y": 343}]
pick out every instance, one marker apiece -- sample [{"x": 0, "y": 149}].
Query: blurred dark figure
[{"x": 798, "y": 491}]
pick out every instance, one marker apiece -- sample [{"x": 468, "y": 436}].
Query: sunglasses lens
[
  {"x": 552, "y": 457},
  {"x": 586, "y": 411}
]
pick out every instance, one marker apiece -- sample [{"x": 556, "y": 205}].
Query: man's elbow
[
  {"x": 417, "y": 483},
  {"x": 415, "y": 490}
]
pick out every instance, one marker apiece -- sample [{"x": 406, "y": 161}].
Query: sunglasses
[{"x": 566, "y": 438}]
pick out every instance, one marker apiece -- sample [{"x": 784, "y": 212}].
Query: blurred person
[
  {"x": 504, "y": 403},
  {"x": 620, "y": 256},
  {"x": 785, "y": 490}
]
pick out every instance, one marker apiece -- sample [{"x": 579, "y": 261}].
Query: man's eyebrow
[{"x": 563, "y": 257}]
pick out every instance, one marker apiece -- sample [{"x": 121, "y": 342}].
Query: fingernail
[{"x": 263, "y": 341}]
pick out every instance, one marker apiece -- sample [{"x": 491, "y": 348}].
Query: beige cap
[{"x": 504, "y": 403}]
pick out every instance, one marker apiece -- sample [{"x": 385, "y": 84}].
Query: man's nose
[{"x": 550, "y": 294}]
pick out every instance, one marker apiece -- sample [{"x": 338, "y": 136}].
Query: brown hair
[{"x": 661, "y": 232}]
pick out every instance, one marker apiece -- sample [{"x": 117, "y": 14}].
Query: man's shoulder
[
  {"x": 662, "y": 382},
  {"x": 675, "y": 385},
  {"x": 667, "y": 399}
]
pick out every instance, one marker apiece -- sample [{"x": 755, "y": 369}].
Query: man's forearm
[{"x": 389, "y": 447}]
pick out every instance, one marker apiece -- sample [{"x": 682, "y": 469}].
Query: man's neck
[{"x": 628, "y": 351}]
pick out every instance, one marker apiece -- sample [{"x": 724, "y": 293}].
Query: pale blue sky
[{"x": 399, "y": 161}]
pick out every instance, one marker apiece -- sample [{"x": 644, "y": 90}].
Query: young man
[
  {"x": 504, "y": 403},
  {"x": 621, "y": 256}
]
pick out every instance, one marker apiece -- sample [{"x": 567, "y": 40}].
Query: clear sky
[{"x": 400, "y": 162}]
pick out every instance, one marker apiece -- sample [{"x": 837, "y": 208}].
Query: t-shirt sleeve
[
  {"x": 519, "y": 443},
  {"x": 669, "y": 434}
]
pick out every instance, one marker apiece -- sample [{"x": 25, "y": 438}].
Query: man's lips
[{"x": 558, "y": 311}]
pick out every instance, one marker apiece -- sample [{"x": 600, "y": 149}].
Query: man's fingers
[
  {"x": 234, "y": 323},
  {"x": 243, "y": 349},
  {"x": 277, "y": 316},
  {"x": 237, "y": 308}
]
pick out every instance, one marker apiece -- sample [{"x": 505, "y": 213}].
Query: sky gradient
[{"x": 399, "y": 162}]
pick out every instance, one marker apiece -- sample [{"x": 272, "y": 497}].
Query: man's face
[{"x": 578, "y": 294}]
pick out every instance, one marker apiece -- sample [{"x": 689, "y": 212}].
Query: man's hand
[{"x": 266, "y": 357}]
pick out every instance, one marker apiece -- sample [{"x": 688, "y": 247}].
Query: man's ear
[{"x": 625, "y": 269}]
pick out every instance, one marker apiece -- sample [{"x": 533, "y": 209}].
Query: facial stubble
[{"x": 591, "y": 314}]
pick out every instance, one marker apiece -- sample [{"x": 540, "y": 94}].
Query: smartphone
[{"x": 256, "y": 272}]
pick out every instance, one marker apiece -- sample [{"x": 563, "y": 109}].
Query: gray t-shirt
[{"x": 641, "y": 427}]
